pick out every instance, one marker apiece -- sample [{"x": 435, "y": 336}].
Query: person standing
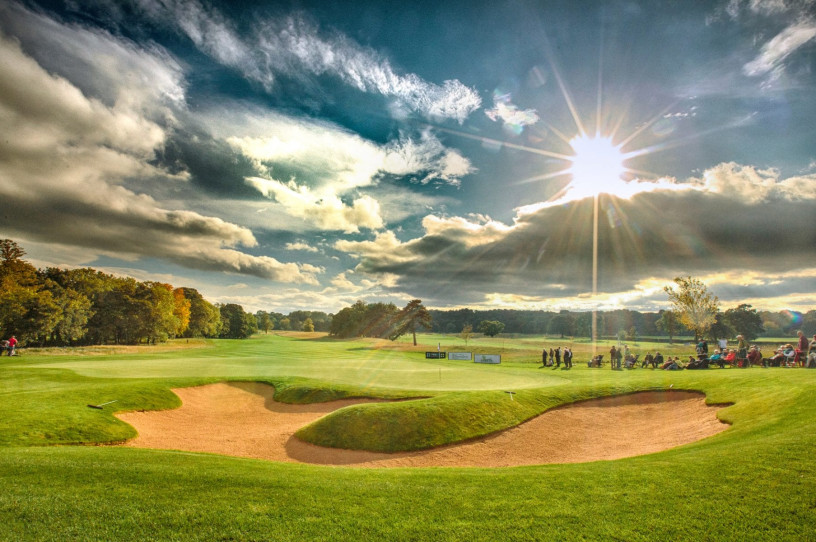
[
  {"x": 801, "y": 349},
  {"x": 12, "y": 344},
  {"x": 742, "y": 347},
  {"x": 558, "y": 357},
  {"x": 544, "y": 357},
  {"x": 552, "y": 357},
  {"x": 613, "y": 356},
  {"x": 567, "y": 358}
]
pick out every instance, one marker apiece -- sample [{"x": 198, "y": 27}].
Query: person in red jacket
[{"x": 12, "y": 344}]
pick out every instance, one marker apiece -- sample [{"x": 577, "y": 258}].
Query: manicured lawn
[{"x": 753, "y": 482}]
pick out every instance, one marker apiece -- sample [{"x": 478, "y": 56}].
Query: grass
[{"x": 752, "y": 482}]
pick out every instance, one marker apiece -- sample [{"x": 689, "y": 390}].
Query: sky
[{"x": 302, "y": 155}]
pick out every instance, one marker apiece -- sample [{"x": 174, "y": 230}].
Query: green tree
[
  {"x": 745, "y": 321},
  {"x": 236, "y": 323},
  {"x": 205, "y": 318},
  {"x": 308, "y": 325},
  {"x": 491, "y": 328},
  {"x": 264, "y": 321},
  {"x": 720, "y": 328},
  {"x": 694, "y": 304},
  {"x": 562, "y": 324},
  {"x": 414, "y": 315},
  {"x": 667, "y": 323},
  {"x": 348, "y": 322}
]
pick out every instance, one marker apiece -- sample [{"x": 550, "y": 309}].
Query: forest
[{"x": 84, "y": 306}]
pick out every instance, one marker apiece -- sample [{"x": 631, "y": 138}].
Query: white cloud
[
  {"x": 754, "y": 185},
  {"x": 408, "y": 156},
  {"x": 117, "y": 72},
  {"x": 66, "y": 161},
  {"x": 326, "y": 211},
  {"x": 301, "y": 246},
  {"x": 480, "y": 230},
  {"x": 295, "y": 47},
  {"x": 321, "y": 187},
  {"x": 514, "y": 119},
  {"x": 780, "y": 47}
]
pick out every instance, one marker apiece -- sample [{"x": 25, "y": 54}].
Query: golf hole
[{"x": 242, "y": 419}]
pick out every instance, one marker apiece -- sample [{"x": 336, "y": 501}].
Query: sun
[{"x": 597, "y": 166}]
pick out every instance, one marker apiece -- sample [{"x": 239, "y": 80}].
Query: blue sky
[{"x": 304, "y": 155}]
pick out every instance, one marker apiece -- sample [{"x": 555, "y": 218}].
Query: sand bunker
[{"x": 241, "y": 419}]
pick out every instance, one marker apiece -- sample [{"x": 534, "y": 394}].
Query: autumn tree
[
  {"x": 695, "y": 306},
  {"x": 181, "y": 311},
  {"x": 467, "y": 333},
  {"x": 308, "y": 325}
]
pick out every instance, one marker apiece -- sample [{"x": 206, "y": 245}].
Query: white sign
[
  {"x": 487, "y": 358},
  {"x": 461, "y": 356}
]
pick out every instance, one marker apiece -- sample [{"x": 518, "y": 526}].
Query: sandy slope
[{"x": 241, "y": 419}]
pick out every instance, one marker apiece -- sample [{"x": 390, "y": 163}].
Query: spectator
[
  {"x": 811, "y": 359},
  {"x": 658, "y": 360},
  {"x": 801, "y": 348},
  {"x": 717, "y": 358},
  {"x": 648, "y": 359},
  {"x": 754, "y": 356},
  {"x": 12, "y": 344},
  {"x": 567, "y": 358},
  {"x": 731, "y": 357},
  {"x": 742, "y": 347}
]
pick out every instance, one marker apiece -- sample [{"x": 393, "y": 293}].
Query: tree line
[
  {"x": 65, "y": 307},
  {"x": 629, "y": 324},
  {"x": 380, "y": 320},
  {"x": 76, "y": 307}
]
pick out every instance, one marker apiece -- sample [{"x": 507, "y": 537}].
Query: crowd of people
[
  {"x": 742, "y": 355},
  {"x": 553, "y": 357}
]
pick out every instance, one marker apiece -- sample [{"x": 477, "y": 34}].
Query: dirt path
[{"x": 241, "y": 419}]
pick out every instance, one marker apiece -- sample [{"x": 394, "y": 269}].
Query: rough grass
[{"x": 752, "y": 482}]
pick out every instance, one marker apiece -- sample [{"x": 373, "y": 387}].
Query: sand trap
[{"x": 241, "y": 419}]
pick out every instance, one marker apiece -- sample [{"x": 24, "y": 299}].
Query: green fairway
[
  {"x": 752, "y": 482},
  {"x": 354, "y": 363}
]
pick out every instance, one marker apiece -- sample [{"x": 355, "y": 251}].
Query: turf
[{"x": 752, "y": 482}]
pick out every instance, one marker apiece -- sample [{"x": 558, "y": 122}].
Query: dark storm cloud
[
  {"x": 213, "y": 164},
  {"x": 655, "y": 234}
]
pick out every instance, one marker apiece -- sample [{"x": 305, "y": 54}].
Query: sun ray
[
  {"x": 649, "y": 123},
  {"x": 562, "y": 85},
  {"x": 544, "y": 177},
  {"x": 501, "y": 143}
]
